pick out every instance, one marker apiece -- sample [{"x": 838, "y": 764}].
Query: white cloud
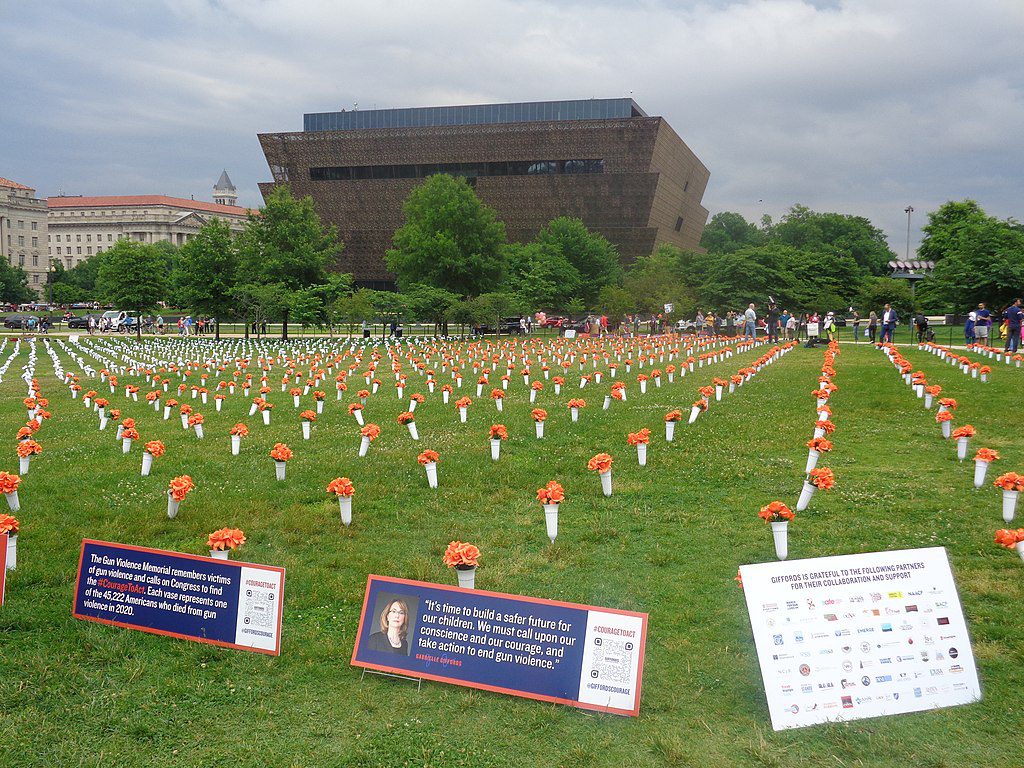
[{"x": 860, "y": 106}]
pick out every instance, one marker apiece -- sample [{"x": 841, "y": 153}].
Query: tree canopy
[
  {"x": 449, "y": 240},
  {"x": 133, "y": 277}
]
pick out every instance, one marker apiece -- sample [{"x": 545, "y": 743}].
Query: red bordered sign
[
  {"x": 191, "y": 597},
  {"x": 567, "y": 653}
]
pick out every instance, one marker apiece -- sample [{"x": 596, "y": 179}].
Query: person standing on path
[
  {"x": 982, "y": 322},
  {"x": 856, "y": 325},
  {"x": 1014, "y": 322},
  {"x": 750, "y": 322},
  {"x": 889, "y": 320},
  {"x": 772, "y": 324}
]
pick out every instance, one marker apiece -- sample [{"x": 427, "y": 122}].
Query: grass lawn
[{"x": 668, "y": 543}]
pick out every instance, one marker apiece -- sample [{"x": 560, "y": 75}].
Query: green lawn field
[{"x": 668, "y": 543}]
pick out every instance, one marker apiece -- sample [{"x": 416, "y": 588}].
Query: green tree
[
  {"x": 206, "y": 272},
  {"x": 947, "y": 228},
  {"x": 285, "y": 245},
  {"x": 876, "y": 292},
  {"x": 596, "y": 259},
  {"x": 540, "y": 275},
  {"x": 851, "y": 236},
  {"x": 750, "y": 275},
  {"x": 728, "y": 232},
  {"x": 426, "y": 302},
  {"x": 14, "y": 288},
  {"x": 615, "y": 302},
  {"x": 133, "y": 277},
  {"x": 355, "y": 307},
  {"x": 500, "y": 304},
  {"x": 449, "y": 239},
  {"x": 659, "y": 279},
  {"x": 982, "y": 261}
]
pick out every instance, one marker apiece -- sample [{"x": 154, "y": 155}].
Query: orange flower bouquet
[
  {"x": 368, "y": 434},
  {"x": 574, "y": 407},
  {"x": 602, "y": 464},
  {"x": 779, "y": 515},
  {"x": 697, "y": 408},
  {"x": 154, "y": 449},
  {"x": 9, "y": 483},
  {"x": 464, "y": 558},
  {"x": 640, "y": 439},
  {"x": 409, "y": 420},
  {"x": 1004, "y": 538},
  {"x": 10, "y": 526},
  {"x": 982, "y": 459},
  {"x": 26, "y": 450},
  {"x": 342, "y": 488},
  {"x": 281, "y": 454},
  {"x": 223, "y": 541},
  {"x": 823, "y": 427},
  {"x": 196, "y": 421},
  {"x": 816, "y": 447},
  {"x": 819, "y": 478},
  {"x": 237, "y": 433},
  {"x": 550, "y": 496},
  {"x": 497, "y": 434},
  {"x": 962, "y": 435},
  {"x": 945, "y": 419},
  {"x": 1011, "y": 484},
  {"x": 463, "y": 404},
  {"x": 671, "y": 419},
  {"x": 177, "y": 490},
  {"x": 498, "y": 395},
  {"x": 429, "y": 460},
  {"x": 308, "y": 417}
]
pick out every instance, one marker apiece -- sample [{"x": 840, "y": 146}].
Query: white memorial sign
[{"x": 854, "y": 636}]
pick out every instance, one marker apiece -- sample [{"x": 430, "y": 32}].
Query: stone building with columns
[
  {"x": 80, "y": 227},
  {"x": 23, "y": 231}
]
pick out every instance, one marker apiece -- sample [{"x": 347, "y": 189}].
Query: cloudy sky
[{"x": 857, "y": 106}]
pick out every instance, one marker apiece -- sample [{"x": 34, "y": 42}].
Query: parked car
[
  {"x": 552, "y": 321},
  {"x": 82, "y": 322}
]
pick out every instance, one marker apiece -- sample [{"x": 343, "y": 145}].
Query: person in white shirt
[
  {"x": 889, "y": 320},
  {"x": 750, "y": 322}
]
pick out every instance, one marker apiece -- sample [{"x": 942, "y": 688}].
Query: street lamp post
[{"x": 908, "y": 210}]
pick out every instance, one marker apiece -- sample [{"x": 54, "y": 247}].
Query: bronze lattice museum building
[{"x": 627, "y": 175}]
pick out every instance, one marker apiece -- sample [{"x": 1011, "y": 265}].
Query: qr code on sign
[
  {"x": 611, "y": 660},
  {"x": 259, "y": 608}
]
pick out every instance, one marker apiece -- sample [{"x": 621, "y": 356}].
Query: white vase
[
  {"x": 295, "y": 400},
  {"x": 812, "y": 460},
  {"x": 495, "y": 448},
  {"x": 431, "y": 470},
  {"x": 946, "y": 426},
  {"x": 818, "y": 432},
  {"x": 12, "y": 551},
  {"x": 414, "y": 432},
  {"x": 607, "y": 402},
  {"x": 219, "y": 554},
  {"x": 120, "y": 429},
  {"x": 718, "y": 393},
  {"x": 359, "y": 416},
  {"x": 641, "y": 454},
  {"x": 558, "y": 389},
  {"x": 961, "y": 447},
  {"x": 805, "y": 496},
  {"x": 279, "y": 469},
  {"x": 305, "y": 430},
  {"x": 266, "y": 417},
  {"x": 670, "y": 431},
  {"x": 462, "y": 414},
  {"x": 980, "y": 470},
  {"x": 345, "y": 505},
  {"x": 13, "y": 502},
  {"x": 126, "y": 444},
  {"x": 479, "y": 389},
  {"x": 643, "y": 387},
  {"x": 1019, "y": 546},
  {"x": 780, "y": 532},
  {"x": 319, "y": 406},
  {"x": 551, "y": 520},
  {"x": 252, "y": 409},
  {"x": 217, "y": 404},
  {"x": 694, "y": 413},
  {"x": 444, "y": 396},
  {"x": 533, "y": 395},
  {"x": 928, "y": 400},
  {"x": 499, "y": 403},
  {"x": 236, "y": 444},
  {"x": 467, "y": 577},
  {"x": 823, "y": 416},
  {"x": 1009, "y": 505},
  {"x": 199, "y": 431},
  {"x": 147, "y": 463},
  {"x": 575, "y": 413},
  {"x": 172, "y": 506},
  {"x": 732, "y": 387},
  {"x": 364, "y": 446},
  {"x": 539, "y": 427},
  {"x": 606, "y": 483},
  {"x": 822, "y": 401}
]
